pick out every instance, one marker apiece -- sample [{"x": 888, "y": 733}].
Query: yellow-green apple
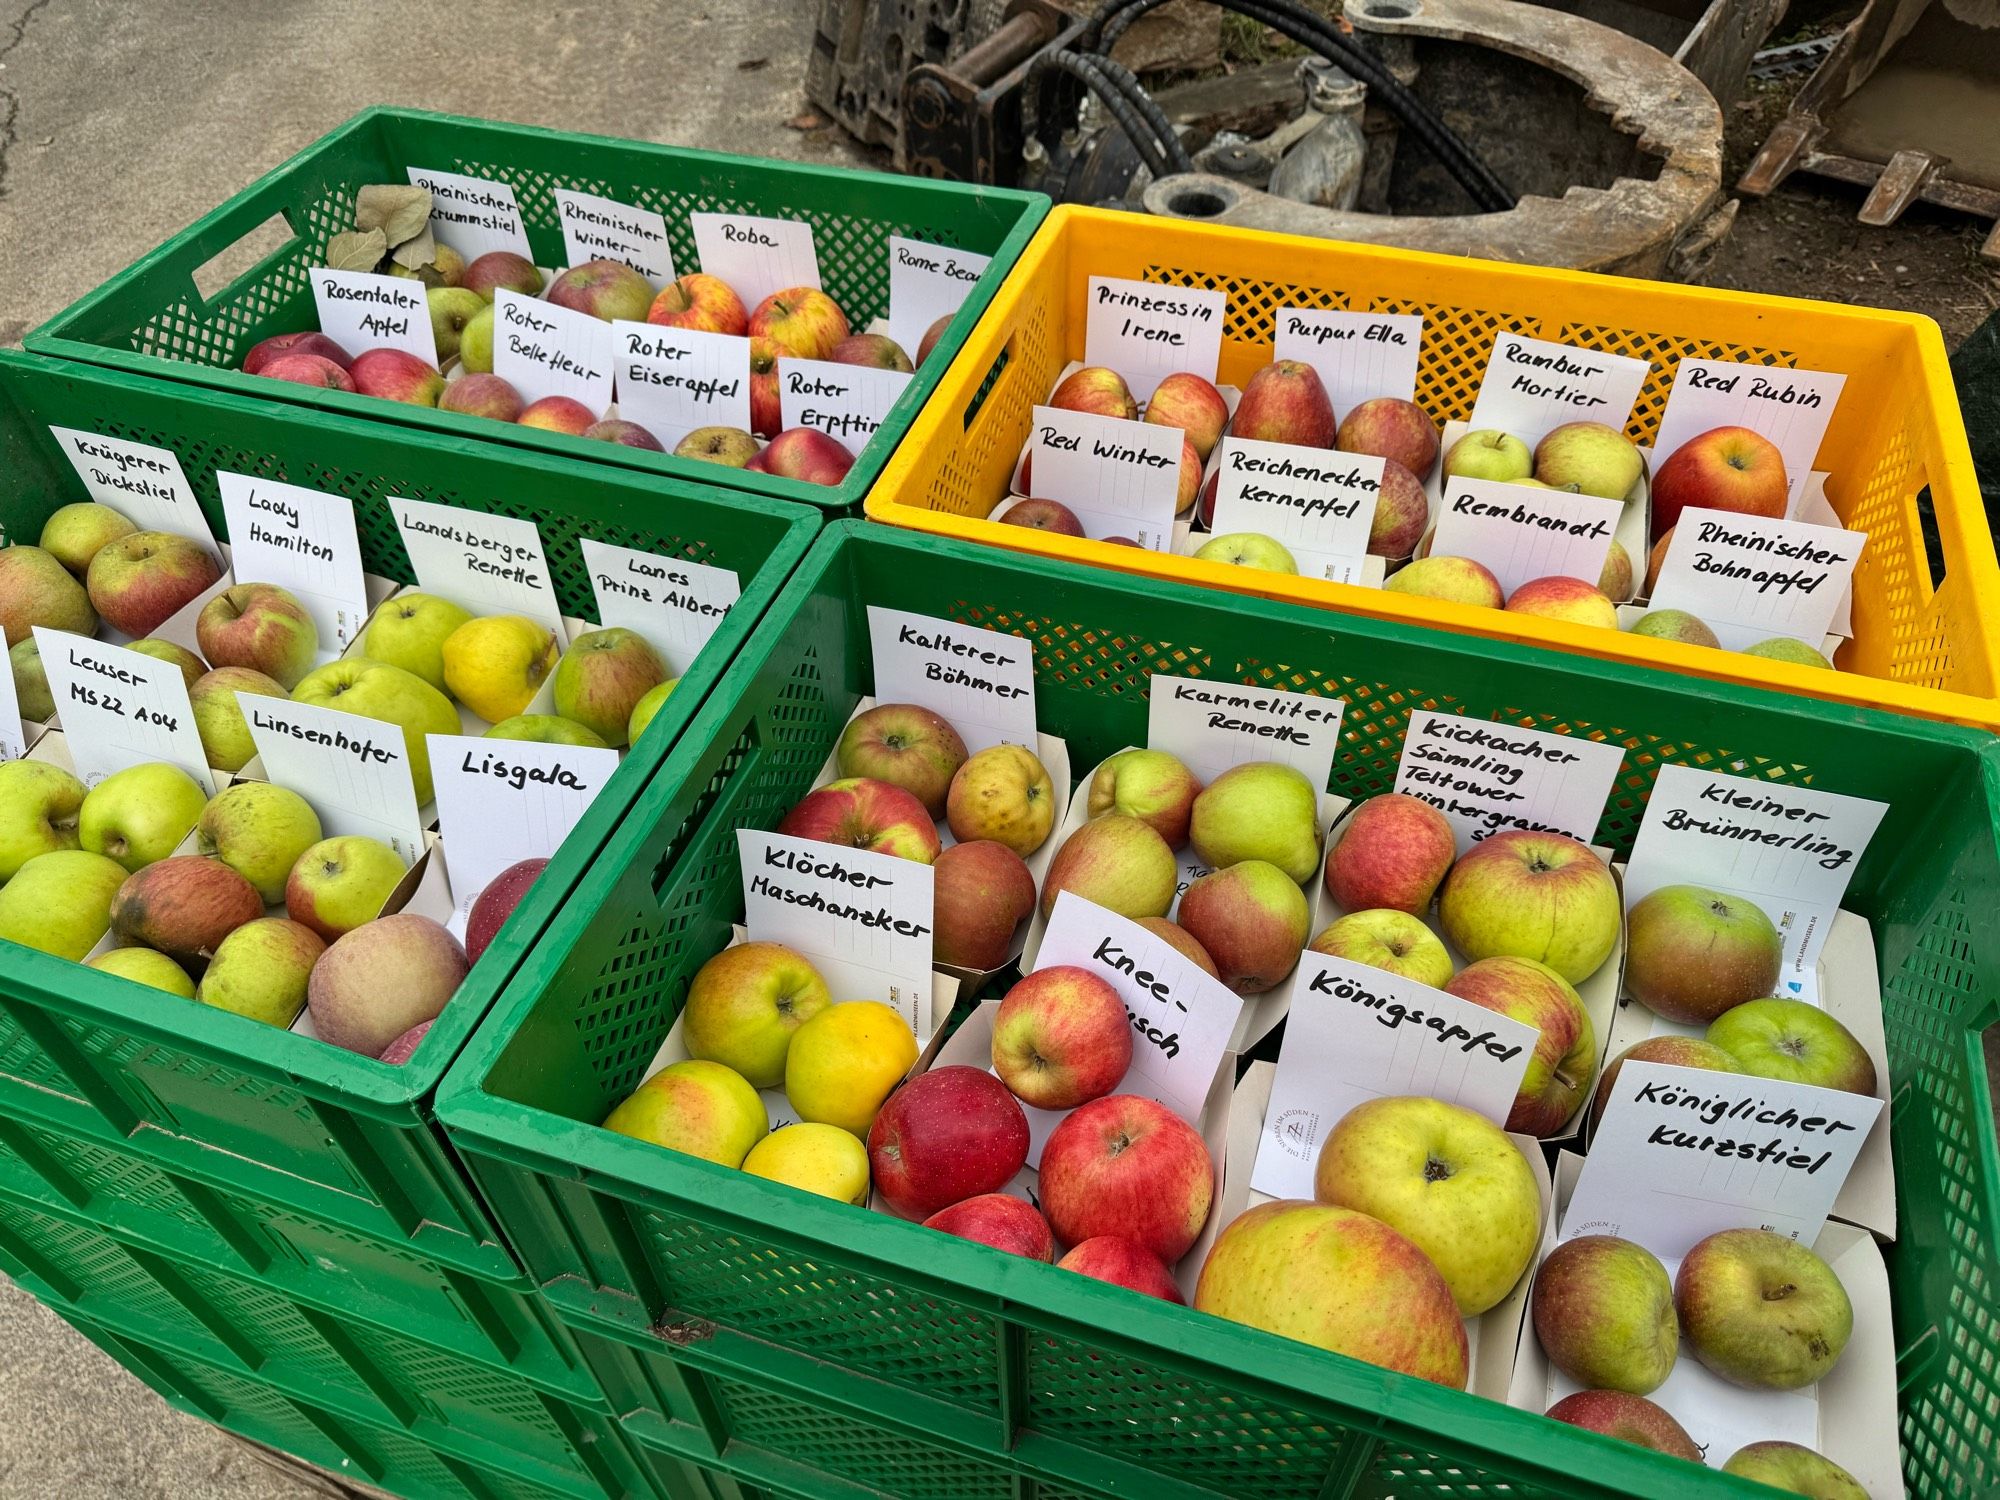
[
  {"x": 697, "y": 1108},
  {"x": 1117, "y": 862},
  {"x": 1559, "y": 597},
  {"x": 932, "y": 336},
  {"x": 340, "y": 883},
  {"x": 260, "y": 626},
  {"x": 707, "y": 304},
  {"x": 405, "y": 1046},
  {"x": 259, "y": 830},
  {"x": 1096, "y": 390},
  {"x": 260, "y": 971},
  {"x": 1630, "y": 1419},
  {"x": 1252, "y": 919},
  {"x": 1795, "y": 1468},
  {"x": 60, "y": 902},
  {"x": 1392, "y": 851},
  {"x": 857, "y": 812},
  {"x": 378, "y": 691},
  {"x": 766, "y": 413},
  {"x": 1339, "y": 1281},
  {"x": 1794, "y": 1041},
  {"x": 1248, "y": 549},
  {"x": 396, "y": 375},
  {"x": 184, "y": 905},
  {"x": 546, "y": 729},
  {"x": 1129, "y": 1166},
  {"x": 1532, "y": 894},
  {"x": 483, "y": 394},
  {"x": 74, "y": 533},
  {"x": 947, "y": 1135},
  {"x": 876, "y": 350},
  {"x": 495, "y": 664},
  {"x": 1615, "y": 581},
  {"x": 445, "y": 268},
  {"x": 644, "y": 711},
  {"x": 1285, "y": 402},
  {"x": 731, "y": 447},
  {"x": 409, "y": 631},
  {"x": 219, "y": 716},
  {"x": 39, "y": 804},
  {"x": 625, "y": 434},
  {"x": 495, "y": 904},
  {"x": 1727, "y": 468},
  {"x": 845, "y": 1061},
  {"x": 451, "y": 308},
  {"x": 1181, "y": 941},
  {"x": 1392, "y": 428},
  {"x": 1186, "y": 401},
  {"x": 1604, "y": 1314},
  {"x": 558, "y": 414},
  {"x": 1402, "y": 511},
  {"x": 1674, "y": 625},
  {"x": 802, "y": 319},
  {"x": 1693, "y": 953},
  {"x": 192, "y": 667},
  {"x": 1486, "y": 453},
  {"x": 1784, "y": 648},
  {"x": 1112, "y": 1258},
  {"x": 1150, "y": 785},
  {"x": 145, "y": 966},
  {"x": 278, "y": 344},
  {"x": 1762, "y": 1310},
  {"x": 1679, "y": 1051},
  {"x": 1042, "y": 515},
  {"x": 603, "y": 677},
  {"x": 32, "y": 694},
  {"x": 994, "y": 1219},
  {"x": 607, "y": 289},
  {"x": 376, "y": 982},
  {"x": 309, "y": 369},
  {"x": 1564, "y": 1062},
  {"x": 1391, "y": 940},
  {"x": 140, "y": 579},
  {"x": 1459, "y": 580},
  {"x": 746, "y": 1003},
  {"x": 1591, "y": 458},
  {"x": 138, "y": 815},
  {"x": 905, "y": 745},
  {"x": 814, "y": 1158},
  {"x": 1448, "y": 1180},
  {"x": 502, "y": 270},
  {"x": 1002, "y": 793},
  {"x": 475, "y": 346},
  {"x": 36, "y": 589},
  {"x": 981, "y": 892},
  {"x": 805, "y": 454},
  {"x": 1258, "y": 810},
  {"x": 1061, "y": 1038}
]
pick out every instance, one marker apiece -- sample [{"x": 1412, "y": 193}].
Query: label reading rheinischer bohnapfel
[
  {"x": 673, "y": 380},
  {"x": 120, "y": 707},
  {"x": 143, "y": 483},
  {"x": 1487, "y": 777},
  {"x": 303, "y": 540},
  {"x": 546, "y": 350},
  {"x": 1532, "y": 386},
  {"x": 1357, "y": 355},
  {"x": 473, "y": 215},
  {"x": 674, "y": 604},
  {"x": 1751, "y": 578},
  {"x": 1146, "y": 331},
  {"x": 359, "y": 310},
  {"x": 488, "y": 564},
  {"x": 597, "y": 228},
  {"x": 1121, "y": 478},
  {"x": 981, "y": 682},
  {"x": 354, "y": 771},
  {"x": 1212, "y": 726},
  {"x": 1319, "y": 504}
]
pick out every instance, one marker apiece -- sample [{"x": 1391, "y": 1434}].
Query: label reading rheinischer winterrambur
[
  {"x": 846, "y": 402},
  {"x": 756, "y": 255},
  {"x": 546, "y": 350},
  {"x": 1522, "y": 534},
  {"x": 1751, "y": 578},
  {"x": 354, "y": 771},
  {"x": 927, "y": 282},
  {"x": 1319, "y": 503},
  {"x": 143, "y": 483},
  {"x": 1121, "y": 478},
  {"x": 1790, "y": 407},
  {"x": 359, "y": 310},
  {"x": 673, "y": 380},
  {"x": 1357, "y": 355},
  {"x": 1212, "y": 726},
  {"x": 120, "y": 707},
  {"x": 1147, "y": 332},
  {"x": 1487, "y": 777},
  {"x": 485, "y": 563},
  {"x": 981, "y": 682},
  {"x": 1532, "y": 386},
  {"x": 473, "y": 214},
  {"x": 597, "y": 228},
  {"x": 675, "y": 605},
  {"x": 303, "y": 540}
]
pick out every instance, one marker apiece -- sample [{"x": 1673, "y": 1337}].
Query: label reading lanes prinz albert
[
  {"x": 673, "y": 380},
  {"x": 1357, "y": 355},
  {"x": 1317, "y": 502},
  {"x": 1751, "y": 578},
  {"x": 1522, "y": 534},
  {"x": 1212, "y": 726},
  {"x": 546, "y": 350},
  {"x": 354, "y": 771},
  {"x": 491, "y": 565},
  {"x": 673, "y": 604},
  {"x": 1486, "y": 777},
  {"x": 846, "y": 402},
  {"x": 981, "y": 682},
  {"x": 1121, "y": 478},
  {"x": 120, "y": 708},
  {"x": 359, "y": 310},
  {"x": 473, "y": 215},
  {"x": 1147, "y": 332},
  {"x": 1790, "y": 407},
  {"x": 143, "y": 483},
  {"x": 927, "y": 282},
  {"x": 1532, "y": 386},
  {"x": 756, "y": 255},
  {"x": 303, "y": 540},
  {"x": 597, "y": 228}
]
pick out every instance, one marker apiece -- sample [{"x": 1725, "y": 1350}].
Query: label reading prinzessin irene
[
  {"x": 1485, "y": 777},
  {"x": 1146, "y": 331}
]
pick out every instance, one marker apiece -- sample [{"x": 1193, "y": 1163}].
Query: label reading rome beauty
[
  {"x": 1147, "y": 332},
  {"x": 491, "y": 565},
  {"x": 1212, "y": 726},
  {"x": 1319, "y": 503},
  {"x": 359, "y": 310},
  {"x": 846, "y": 402},
  {"x": 1357, "y": 1033},
  {"x": 473, "y": 214},
  {"x": 675, "y": 605},
  {"x": 756, "y": 256},
  {"x": 1121, "y": 478},
  {"x": 1752, "y": 578},
  {"x": 502, "y": 801},
  {"x": 1532, "y": 386},
  {"x": 673, "y": 380},
  {"x": 546, "y": 350},
  {"x": 143, "y": 483},
  {"x": 1790, "y": 407},
  {"x": 1485, "y": 777},
  {"x": 1358, "y": 355},
  {"x": 864, "y": 919},
  {"x": 1521, "y": 534},
  {"x": 354, "y": 771},
  {"x": 303, "y": 540},
  {"x": 981, "y": 682},
  {"x": 927, "y": 282},
  {"x": 1790, "y": 849},
  {"x": 120, "y": 708},
  {"x": 597, "y": 228}
]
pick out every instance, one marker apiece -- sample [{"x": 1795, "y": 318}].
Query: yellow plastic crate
[{"x": 1919, "y": 649}]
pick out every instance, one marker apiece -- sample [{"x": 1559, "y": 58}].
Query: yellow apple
[{"x": 494, "y": 665}]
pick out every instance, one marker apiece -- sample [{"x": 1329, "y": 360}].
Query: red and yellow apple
[
  {"x": 857, "y": 812},
  {"x": 1564, "y": 1060},
  {"x": 1530, "y": 894},
  {"x": 1391, "y": 851}
]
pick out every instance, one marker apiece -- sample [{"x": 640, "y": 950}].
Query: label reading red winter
[
  {"x": 1486, "y": 777},
  {"x": 1122, "y": 479}
]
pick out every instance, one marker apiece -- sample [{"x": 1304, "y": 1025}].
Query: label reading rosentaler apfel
[{"x": 359, "y": 310}]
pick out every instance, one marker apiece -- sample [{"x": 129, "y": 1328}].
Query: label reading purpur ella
[
  {"x": 674, "y": 380},
  {"x": 1357, "y": 355},
  {"x": 546, "y": 350},
  {"x": 1146, "y": 331},
  {"x": 1487, "y": 777},
  {"x": 673, "y": 604},
  {"x": 1532, "y": 386},
  {"x": 981, "y": 682},
  {"x": 359, "y": 310},
  {"x": 846, "y": 402},
  {"x": 303, "y": 540}
]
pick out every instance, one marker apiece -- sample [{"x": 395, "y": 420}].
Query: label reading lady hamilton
[
  {"x": 303, "y": 540},
  {"x": 674, "y": 604},
  {"x": 1485, "y": 777},
  {"x": 981, "y": 682},
  {"x": 1318, "y": 503}
]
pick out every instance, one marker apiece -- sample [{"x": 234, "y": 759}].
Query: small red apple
[
  {"x": 1123, "y": 1263},
  {"x": 1000, "y": 1221},
  {"x": 947, "y": 1135},
  {"x": 494, "y": 905}
]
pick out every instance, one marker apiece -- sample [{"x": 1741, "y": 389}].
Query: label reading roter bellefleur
[{"x": 546, "y": 350}]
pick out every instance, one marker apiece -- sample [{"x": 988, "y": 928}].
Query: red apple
[
  {"x": 1123, "y": 1263},
  {"x": 1391, "y": 428},
  {"x": 494, "y": 905},
  {"x": 707, "y": 304},
  {"x": 876, "y": 350},
  {"x": 394, "y": 375},
  {"x": 1252, "y": 919},
  {"x": 1043, "y": 515},
  {"x": 308, "y": 369},
  {"x": 405, "y": 1046},
  {"x": 1150, "y": 785},
  {"x": 1186, "y": 401},
  {"x": 1727, "y": 468},
  {"x": 803, "y": 319},
  {"x": 1097, "y": 390},
  {"x": 184, "y": 905},
  {"x": 483, "y": 396},
  {"x": 1285, "y": 403},
  {"x": 1402, "y": 511},
  {"x": 1562, "y": 598},
  {"x": 983, "y": 892},
  {"x": 805, "y": 454},
  {"x": 1190, "y": 485},
  {"x": 1131, "y": 1167},
  {"x": 1656, "y": 557},
  {"x": 1000, "y": 1221},
  {"x": 607, "y": 289},
  {"x": 766, "y": 415},
  {"x": 1392, "y": 851},
  {"x": 1680, "y": 1051},
  {"x": 502, "y": 270},
  {"x": 559, "y": 414},
  {"x": 931, "y": 337},
  {"x": 1629, "y": 1418},
  {"x": 136, "y": 582},
  {"x": 1181, "y": 941},
  {"x": 905, "y": 745},
  {"x": 1061, "y": 1038},
  {"x": 1564, "y": 1061},
  {"x": 1691, "y": 953},
  {"x": 625, "y": 434},
  {"x": 312, "y": 342},
  {"x": 1531, "y": 894},
  {"x": 858, "y": 812},
  {"x": 947, "y": 1135}
]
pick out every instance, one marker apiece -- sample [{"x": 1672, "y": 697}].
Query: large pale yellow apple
[
  {"x": 845, "y": 1061},
  {"x": 494, "y": 665},
  {"x": 60, "y": 902},
  {"x": 1260, "y": 810},
  {"x": 376, "y": 690}
]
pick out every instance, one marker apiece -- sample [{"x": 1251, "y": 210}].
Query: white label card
[
  {"x": 981, "y": 682},
  {"x": 846, "y": 402},
  {"x": 1146, "y": 331},
  {"x": 120, "y": 708},
  {"x": 1319, "y": 503},
  {"x": 1790, "y": 407},
  {"x": 1790, "y": 849},
  {"x": 1121, "y": 478},
  {"x": 13, "y": 732},
  {"x": 673, "y": 380},
  {"x": 675, "y": 605},
  {"x": 864, "y": 919},
  {"x": 354, "y": 771},
  {"x": 473, "y": 214},
  {"x": 1212, "y": 726},
  {"x": 485, "y": 563},
  {"x": 1522, "y": 534},
  {"x": 1357, "y": 355},
  {"x": 546, "y": 350},
  {"x": 597, "y": 228},
  {"x": 756, "y": 256},
  {"x": 503, "y": 801},
  {"x": 1752, "y": 578},
  {"x": 1532, "y": 386},
  {"x": 1485, "y": 777},
  {"x": 143, "y": 483},
  {"x": 359, "y": 310},
  {"x": 1682, "y": 1153},
  {"x": 927, "y": 282},
  {"x": 1357, "y": 1033},
  {"x": 303, "y": 540}
]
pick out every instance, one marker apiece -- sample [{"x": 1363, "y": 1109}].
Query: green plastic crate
[
  {"x": 920, "y": 1365},
  {"x": 221, "y": 1098},
  {"x": 161, "y": 317}
]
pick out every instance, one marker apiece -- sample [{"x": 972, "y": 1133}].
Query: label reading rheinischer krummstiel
[
  {"x": 143, "y": 483},
  {"x": 303, "y": 540},
  {"x": 473, "y": 214},
  {"x": 1121, "y": 478},
  {"x": 491, "y": 565},
  {"x": 981, "y": 682},
  {"x": 1751, "y": 578},
  {"x": 673, "y": 380},
  {"x": 359, "y": 310},
  {"x": 597, "y": 228},
  {"x": 1357, "y": 355},
  {"x": 1532, "y": 386},
  {"x": 927, "y": 282},
  {"x": 1146, "y": 331},
  {"x": 846, "y": 402},
  {"x": 1487, "y": 777},
  {"x": 546, "y": 350},
  {"x": 354, "y": 771},
  {"x": 1522, "y": 534},
  {"x": 120, "y": 707},
  {"x": 1319, "y": 504},
  {"x": 756, "y": 255},
  {"x": 1212, "y": 726},
  {"x": 675, "y": 605}
]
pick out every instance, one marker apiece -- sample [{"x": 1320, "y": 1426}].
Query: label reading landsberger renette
[{"x": 1485, "y": 777}]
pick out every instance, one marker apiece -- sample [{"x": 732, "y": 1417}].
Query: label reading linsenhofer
[
  {"x": 846, "y": 402},
  {"x": 359, "y": 310},
  {"x": 1752, "y": 578},
  {"x": 673, "y": 380},
  {"x": 675, "y": 605},
  {"x": 1790, "y": 407},
  {"x": 120, "y": 707},
  {"x": 1357, "y": 355},
  {"x": 303, "y": 540},
  {"x": 1212, "y": 726},
  {"x": 981, "y": 682},
  {"x": 1485, "y": 777},
  {"x": 755, "y": 255},
  {"x": 546, "y": 350},
  {"x": 1146, "y": 331},
  {"x": 1532, "y": 386},
  {"x": 597, "y": 228},
  {"x": 354, "y": 771},
  {"x": 485, "y": 563},
  {"x": 1523, "y": 534},
  {"x": 1319, "y": 503},
  {"x": 143, "y": 483},
  {"x": 927, "y": 282},
  {"x": 473, "y": 214},
  {"x": 1121, "y": 478}
]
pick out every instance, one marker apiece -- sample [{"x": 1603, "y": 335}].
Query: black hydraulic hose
[
  {"x": 1127, "y": 83},
  {"x": 1146, "y": 126}
]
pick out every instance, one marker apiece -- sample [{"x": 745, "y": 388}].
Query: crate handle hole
[{"x": 216, "y": 274}]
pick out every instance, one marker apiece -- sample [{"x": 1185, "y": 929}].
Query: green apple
[
  {"x": 1248, "y": 549},
  {"x": 453, "y": 309},
  {"x": 545, "y": 729},
  {"x": 260, "y": 970},
  {"x": 31, "y": 682},
  {"x": 1794, "y": 1469},
  {"x": 1391, "y": 940},
  {"x": 1486, "y": 453},
  {"x": 36, "y": 589},
  {"x": 146, "y": 966},
  {"x": 340, "y": 883},
  {"x": 38, "y": 812},
  {"x": 73, "y": 533},
  {"x": 644, "y": 710},
  {"x": 259, "y": 831},
  {"x": 1796, "y": 1042},
  {"x": 60, "y": 902},
  {"x": 1784, "y": 648},
  {"x": 1590, "y": 458},
  {"x": 390, "y": 695},
  {"x": 409, "y": 631},
  {"x": 1604, "y": 1314},
  {"x": 140, "y": 814},
  {"x": 1258, "y": 810},
  {"x": 1760, "y": 1309},
  {"x": 602, "y": 677},
  {"x": 1524, "y": 893},
  {"x": 192, "y": 666},
  {"x": 475, "y": 343},
  {"x": 1675, "y": 625},
  {"x": 218, "y": 713}
]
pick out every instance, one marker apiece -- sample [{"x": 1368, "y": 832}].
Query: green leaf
[
  {"x": 356, "y": 250},
  {"x": 401, "y": 213}
]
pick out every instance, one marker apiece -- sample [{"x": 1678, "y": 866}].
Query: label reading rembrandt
[
  {"x": 1212, "y": 726},
  {"x": 1485, "y": 777},
  {"x": 354, "y": 771},
  {"x": 1752, "y": 578},
  {"x": 1520, "y": 534},
  {"x": 120, "y": 708},
  {"x": 303, "y": 540},
  {"x": 981, "y": 682},
  {"x": 503, "y": 801},
  {"x": 1357, "y": 355},
  {"x": 1121, "y": 478},
  {"x": 1146, "y": 331},
  {"x": 143, "y": 483},
  {"x": 473, "y": 214},
  {"x": 846, "y": 402},
  {"x": 673, "y": 380},
  {"x": 597, "y": 228},
  {"x": 546, "y": 350},
  {"x": 488, "y": 564},
  {"x": 1532, "y": 386},
  {"x": 359, "y": 310},
  {"x": 1320, "y": 504},
  {"x": 675, "y": 605}
]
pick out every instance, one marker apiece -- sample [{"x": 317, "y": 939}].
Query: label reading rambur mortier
[
  {"x": 143, "y": 483},
  {"x": 756, "y": 255},
  {"x": 597, "y": 228},
  {"x": 1488, "y": 777},
  {"x": 675, "y": 605},
  {"x": 1212, "y": 726},
  {"x": 360, "y": 311},
  {"x": 1319, "y": 503},
  {"x": 1752, "y": 578},
  {"x": 1532, "y": 386},
  {"x": 1522, "y": 534},
  {"x": 1121, "y": 478},
  {"x": 473, "y": 215},
  {"x": 485, "y": 563},
  {"x": 1357, "y": 355},
  {"x": 673, "y": 380},
  {"x": 546, "y": 350},
  {"x": 846, "y": 402},
  {"x": 927, "y": 282},
  {"x": 303, "y": 540},
  {"x": 120, "y": 708},
  {"x": 1790, "y": 407},
  {"x": 981, "y": 682},
  {"x": 354, "y": 771},
  {"x": 1147, "y": 332}
]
